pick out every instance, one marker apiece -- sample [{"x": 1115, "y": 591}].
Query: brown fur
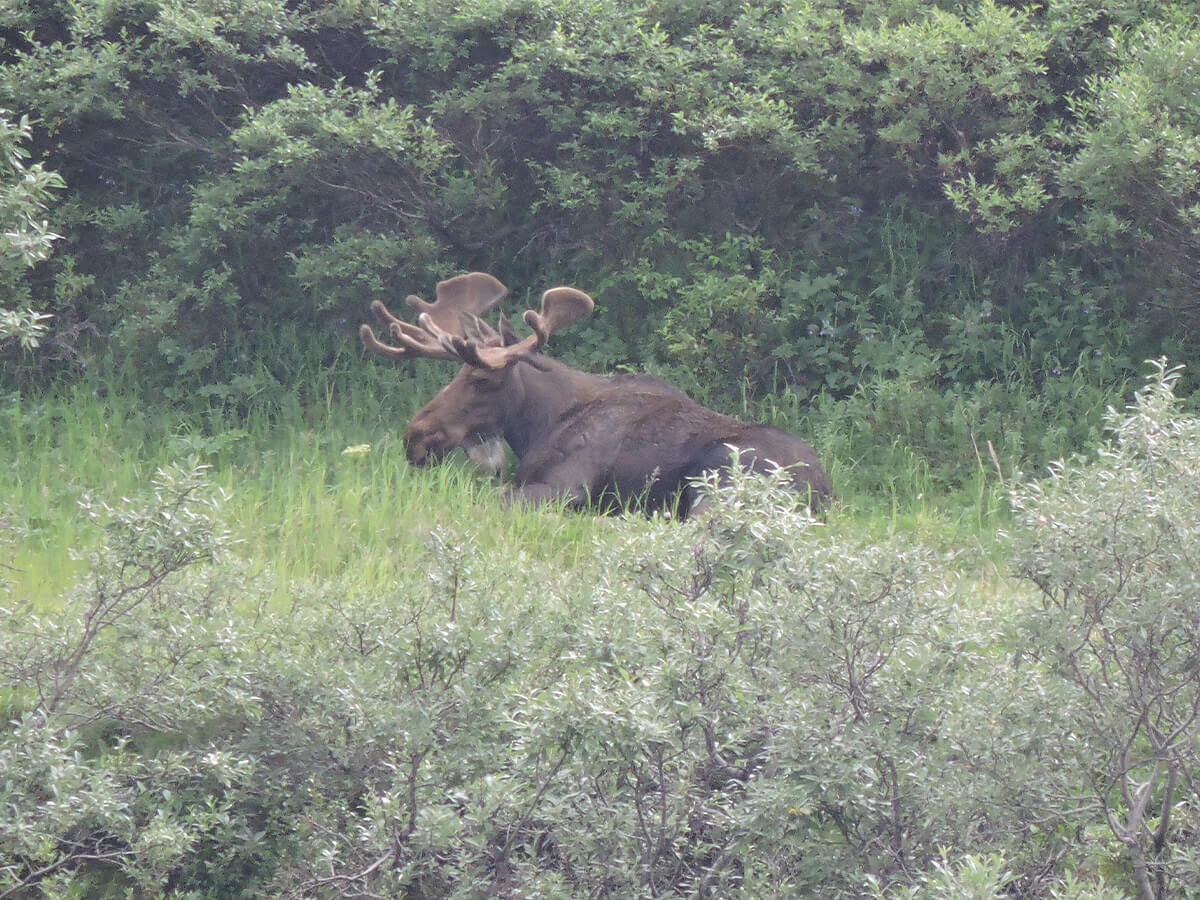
[{"x": 602, "y": 441}]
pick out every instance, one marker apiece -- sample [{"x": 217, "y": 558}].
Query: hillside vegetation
[
  {"x": 974, "y": 220},
  {"x": 247, "y": 651}
]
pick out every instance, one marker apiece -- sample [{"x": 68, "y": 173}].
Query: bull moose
[{"x": 589, "y": 440}]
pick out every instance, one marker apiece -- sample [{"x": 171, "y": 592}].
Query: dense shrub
[
  {"x": 25, "y": 193},
  {"x": 1111, "y": 545},
  {"x": 776, "y": 198}
]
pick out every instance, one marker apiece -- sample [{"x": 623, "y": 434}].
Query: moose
[{"x": 607, "y": 442}]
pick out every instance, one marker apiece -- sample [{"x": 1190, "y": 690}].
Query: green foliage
[
  {"x": 903, "y": 434},
  {"x": 1136, "y": 167},
  {"x": 963, "y": 100},
  {"x": 1110, "y": 543},
  {"x": 129, "y": 653},
  {"x": 145, "y": 548},
  {"x": 936, "y": 237},
  {"x": 764, "y": 198},
  {"x": 25, "y": 195}
]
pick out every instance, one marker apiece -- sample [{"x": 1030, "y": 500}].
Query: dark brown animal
[{"x": 591, "y": 440}]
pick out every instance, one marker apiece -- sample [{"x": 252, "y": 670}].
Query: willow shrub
[
  {"x": 751, "y": 703},
  {"x": 26, "y": 191},
  {"x": 1110, "y": 542}
]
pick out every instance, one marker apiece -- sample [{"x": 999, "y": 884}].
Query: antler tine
[
  {"x": 561, "y": 307},
  {"x": 375, "y": 345},
  {"x": 460, "y": 301},
  {"x": 384, "y": 316},
  {"x": 414, "y": 343},
  {"x": 479, "y": 331}
]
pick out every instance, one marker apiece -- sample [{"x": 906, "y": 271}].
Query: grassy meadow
[
  {"x": 317, "y": 486},
  {"x": 315, "y": 493}
]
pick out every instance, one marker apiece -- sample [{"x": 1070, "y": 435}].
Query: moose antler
[
  {"x": 561, "y": 308},
  {"x": 450, "y": 327},
  {"x": 454, "y": 313}
]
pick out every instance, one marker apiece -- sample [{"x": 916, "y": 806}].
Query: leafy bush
[
  {"x": 1110, "y": 544},
  {"x": 784, "y": 196},
  {"x": 746, "y": 704},
  {"x": 25, "y": 194},
  {"x": 1137, "y": 153},
  {"x": 106, "y": 772}
]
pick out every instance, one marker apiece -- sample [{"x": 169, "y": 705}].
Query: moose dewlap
[{"x": 606, "y": 441}]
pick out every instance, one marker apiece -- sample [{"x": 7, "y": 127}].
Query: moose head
[
  {"x": 465, "y": 413},
  {"x": 587, "y": 439}
]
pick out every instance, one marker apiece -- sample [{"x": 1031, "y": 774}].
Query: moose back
[{"x": 589, "y": 440}]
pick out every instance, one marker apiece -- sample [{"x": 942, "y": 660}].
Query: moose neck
[{"x": 539, "y": 395}]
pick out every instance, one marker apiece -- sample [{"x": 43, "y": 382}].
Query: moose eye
[{"x": 485, "y": 384}]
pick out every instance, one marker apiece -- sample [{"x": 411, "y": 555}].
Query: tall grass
[
  {"x": 315, "y": 489},
  {"x": 59, "y": 448},
  {"x": 905, "y": 456}
]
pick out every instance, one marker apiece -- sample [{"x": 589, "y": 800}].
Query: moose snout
[{"x": 424, "y": 448}]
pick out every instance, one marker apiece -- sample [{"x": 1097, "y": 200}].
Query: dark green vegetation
[
  {"x": 937, "y": 239},
  {"x": 973, "y": 220}
]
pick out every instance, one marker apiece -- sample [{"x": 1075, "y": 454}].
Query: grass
[
  {"x": 300, "y": 507},
  {"x": 310, "y": 512},
  {"x": 303, "y": 508}
]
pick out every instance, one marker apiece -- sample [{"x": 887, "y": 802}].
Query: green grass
[
  {"x": 303, "y": 509},
  {"x": 300, "y": 508},
  {"x": 313, "y": 513},
  {"x": 62, "y": 448},
  {"x": 905, "y": 458}
]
